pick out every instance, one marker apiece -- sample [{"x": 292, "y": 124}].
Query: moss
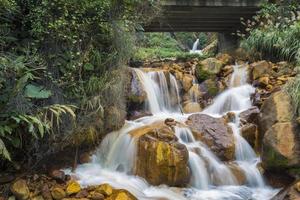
[
  {"x": 202, "y": 74},
  {"x": 274, "y": 160},
  {"x": 212, "y": 88},
  {"x": 295, "y": 171}
]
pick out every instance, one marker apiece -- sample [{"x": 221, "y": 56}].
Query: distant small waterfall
[{"x": 195, "y": 47}]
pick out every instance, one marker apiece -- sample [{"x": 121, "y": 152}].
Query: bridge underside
[{"x": 200, "y": 18}]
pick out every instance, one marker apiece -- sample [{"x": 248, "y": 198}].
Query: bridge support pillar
[{"x": 227, "y": 42}]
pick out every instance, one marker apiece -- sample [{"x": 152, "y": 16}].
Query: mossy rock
[{"x": 208, "y": 68}]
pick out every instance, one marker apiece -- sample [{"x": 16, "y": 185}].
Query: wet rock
[
  {"x": 229, "y": 117},
  {"x": 289, "y": 193},
  {"x": 20, "y": 189},
  {"x": 105, "y": 189},
  {"x": 121, "y": 195},
  {"x": 225, "y": 58},
  {"x": 85, "y": 158},
  {"x": 187, "y": 82},
  {"x": 238, "y": 173},
  {"x": 73, "y": 187},
  {"x": 170, "y": 122},
  {"x": 250, "y": 133},
  {"x": 260, "y": 69},
  {"x": 160, "y": 158},
  {"x": 96, "y": 196},
  {"x": 58, "y": 175},
  {"x": 137, "y": 94},
  {"x": 215, "y": 133},
  {"x": 58, "y": 193},
  {"x": 194, "y": 94},
  {"x": 192, "y": 107},
  {"x": 209, "y": 88},
  {"x": 82, "y": 194},
  {"x": 228, "y": 69}
]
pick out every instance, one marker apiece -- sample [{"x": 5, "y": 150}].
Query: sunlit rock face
[
  {"x": 281, "y": 144},
  {"x": 215, "y": 133},
  {"x": 161, "y": 159}
]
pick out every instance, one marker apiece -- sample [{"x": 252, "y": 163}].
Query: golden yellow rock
[
  {"x": 105, "y": 189},
  {"x": 192, "y": 107},
  {"x": 58, "y": 193},
  {"x": 269, "y": 87},
  {"x": 297, "y": 186},
  {"x": 121, "y": 195},
  {"x": 73, "y": 187},
  {"x": 264, "y": 80}
]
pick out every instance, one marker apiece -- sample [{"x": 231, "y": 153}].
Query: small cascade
[
  {"x": 159, "y": 92},
  {"x": 211, "y": 179},
  {"x": 202, "y": 176},
  {"x": 237, "y": 99}
]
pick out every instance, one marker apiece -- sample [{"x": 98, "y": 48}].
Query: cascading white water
[
  {"x": 215, "y": 169},
  {"x": 158, "y": 93},
  {"x": 195, "y": 45},
  {"x": 114, "y": 161}
]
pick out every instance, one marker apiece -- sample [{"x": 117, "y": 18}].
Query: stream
[{"x": 114, "y": 159}]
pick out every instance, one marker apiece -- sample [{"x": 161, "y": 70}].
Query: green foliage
[
  {"x": 57, "y": 56},
  {"x": 274, "y": 32},
  {"x": 201, "y": 74},
  {"x": 293, "y": 90},
  {"x": 168, "y": 45}
]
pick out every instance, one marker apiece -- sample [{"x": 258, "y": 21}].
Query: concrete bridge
[
  {"x": 222, "y": 16},
  {"x": 203, "y": 15}
]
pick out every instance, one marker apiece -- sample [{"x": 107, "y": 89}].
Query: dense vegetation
[
  {"x": 275, "y": 34},
  {"x": 60, "y": 59},
  {"x": 169, "y": 45}
]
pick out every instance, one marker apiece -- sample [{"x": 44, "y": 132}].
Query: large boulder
[
  {"x": 276, "y": 109},
  {"x": 20, "y": 189},
  {"x": 260, "y": 69},
  {"x": 161, "y": 159},
  {"x": 281, "y": 147},
  {"x": 208, "y": 68},
  {"x": 281, "y": 143},
  {"x": 215, "y": 133}
]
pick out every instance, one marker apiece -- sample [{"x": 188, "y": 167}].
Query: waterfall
[
  {"x": 211, "y": 179},
  {"x": 159, "y": 96},
  {"x": 195, "y": 45}
]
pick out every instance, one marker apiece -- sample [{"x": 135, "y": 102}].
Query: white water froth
[{"x": 114, "y": 161}]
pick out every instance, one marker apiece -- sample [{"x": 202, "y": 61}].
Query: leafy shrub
[
  {"x": 58, "y": 57},
  {"x": 293, "y": 90},
  {"x": 274, "y": 32}
]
